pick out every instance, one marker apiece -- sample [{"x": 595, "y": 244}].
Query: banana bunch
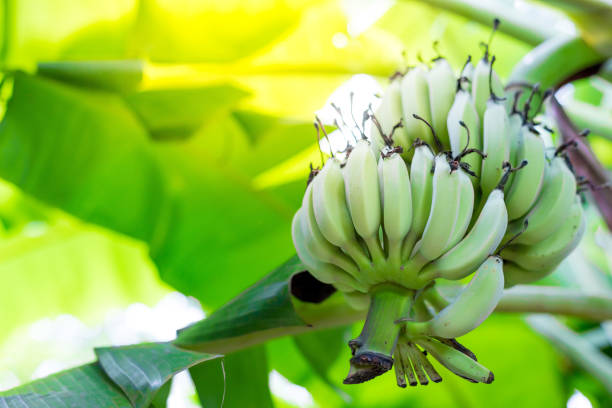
[{"x": 450, "y": 183}]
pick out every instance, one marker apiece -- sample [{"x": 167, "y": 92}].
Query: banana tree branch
[
  {"x": 556, "y": 300},
  {"x": 585, "y": 162},
  {"x": 523, "y": 26}
]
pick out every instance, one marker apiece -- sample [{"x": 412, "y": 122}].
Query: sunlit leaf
[{"x": 85, "y": 387}]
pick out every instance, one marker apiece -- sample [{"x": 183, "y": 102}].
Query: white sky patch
[
  {"x": 364, "y": 89},
  {"x": 340, "y": 40},
  {"x": 181, "y": 392},
  {"x": 578, "y": 400},
  {"x": 362, "y": 14},
  {"x": 289, "y": 392}
]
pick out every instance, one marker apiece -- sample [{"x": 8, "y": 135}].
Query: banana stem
[{"x": 373, "y": 349}]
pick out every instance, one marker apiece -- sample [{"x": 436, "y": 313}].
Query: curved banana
[
  {"x": 481, "y": 89},
  {"x": 363, "y": 197},
  {"x": 495, "y": 144},
  {"x": 415, "y": 100},
  {"x": 466, "y": 208},
  {"x": 325, "y": 272},
  {"x": 527, "y": 183},
  {"x": 552, "y": 250},
  {"x": 421, "y": 182},
  {"x": 332, "y": 214},
  {"x": 445, "y": 204},
  {"x": 468, "y": 74},
  {"x": 442, "y": 86},
  {"x": 515, "y": 123},
  {"x": 316, "y": 243},
  {"x": 479, "y": 243},
  {"x": 470, "y": 308},
  {"x": 396, "y": 199},
  {"x": 463, "y": 111},
  {"x": 388, "y": 114},
  {"x": 515, "y": 275},
  {"x": 456, "y": 361},
  {"x": 552, "y": 205}
]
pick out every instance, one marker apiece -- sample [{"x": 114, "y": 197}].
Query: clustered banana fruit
[{"x": 452, "y": 182}]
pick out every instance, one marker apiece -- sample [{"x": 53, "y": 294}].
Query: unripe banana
[
  {"x": 332, "y": 214},
  {"x": 325, "y": 272},
  {"x": 463, "y": 111},
  {"x": 515, "y": 123},
  {"x": 445, "y": 204},
  {"x": 456, "y": 361},
  {"x": 316, "y": 243},
  {"x": 470, "y": 308},
  {"x": 466, "y": 208},
  {"x": 357, "y": 300},
  {"x": 481, "y": 241},
  {"x": 552, "y": 250},
  {"x": 481, "y": 91},
  {"x": 421, "y": 181},
  {"x": 468, "y": 74},
  {"x": 495, "y": 144},
  {"x": 553, "y": 203},
  {"x": 515, "y": 275},
  {"x": 396, "y": 197},
  {"x": 527, "y": 183},
  {"x": 389, "y": 114},
  {"x": 442, "y": 86},
  {"x": 363, "y": 196},
  {"x": 415, "y": 100}
]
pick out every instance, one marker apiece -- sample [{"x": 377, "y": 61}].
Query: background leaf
[{"x": 239, "y": 380}]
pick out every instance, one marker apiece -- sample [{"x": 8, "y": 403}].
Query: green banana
[
  {"x": 363, "y": 197},
  {"x": 421, "y": 181},
  {"x": 357, "y": 299},
  {"x": 316, "y": 243},
  {"x": 466, "y": 208},
  {"x": 463, "y": 123},
  {"x": 456, "y": 361},
  {"x": 481, "y": 88},
  {"x": 495, "y": 144},
  {"x": 325, "y": 272},
  {"x": 415, "y": 100},
  {"x": 552, "y": 250},
  {"x": 478, "y": 244},
  {"x": 331, "y": 211},
  {"x": 515, "y": 275},
  {"x": 555, "y": 199},
  {"x": 388, "y": 115},
  {"x": 470, "y": 308},
  {"x": 468, "y": 74},
  {"x": 515, "y": 123},
  {"x": 442, "y": 86},
  {"x": 527, "y": 183},
  {"x": 445, "y": 204},
  {"x": 396, "y": 199}
]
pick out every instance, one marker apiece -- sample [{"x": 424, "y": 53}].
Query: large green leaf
[
  {"x": 84, "y": 387},
  {"x": 83, "y": 152},
  {"x": 121, "y": 76},
  {"x": 141, "y": 370},
  {"x": 193, "y": 202},
  {"x": 176, "y": 113},
  {"x": 239, "y": 380}
]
